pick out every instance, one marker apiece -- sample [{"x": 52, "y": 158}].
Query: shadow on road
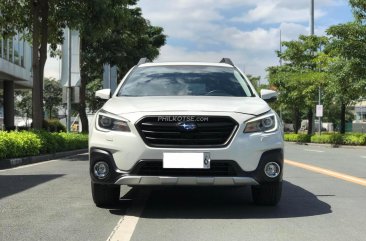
[
  {"x": 229, "y": 203},
  {"x": 128, "y": 196},
  {"x": 12, "y": 184},
  {"x": 78, "y": 157}
]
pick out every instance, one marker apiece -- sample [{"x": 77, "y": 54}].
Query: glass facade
[
  {"x": 1, "y": 47},
  {"x": 12, "y": 49}
]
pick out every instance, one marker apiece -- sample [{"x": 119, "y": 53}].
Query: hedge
[
  {"x": 33, "y": 143},
  {"x": 297, "y": 137},
  {"x": 334, "y": 138}
]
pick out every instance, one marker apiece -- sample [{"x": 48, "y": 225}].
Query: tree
[
  {"x": 1, "y": 99},
  {"x": 347, "y": 65},
  {"x": 23, "y": 104},
  {"x": 347, "y": 52},
  {"x": 122, "y": 39},
  {"x": 300, "y": 76},
  {"x": 42, "y": 23},
  {"x": 359, "y": 9},
  {"x": 52, "y": 97},
  {"x": 92, "y": 102}
]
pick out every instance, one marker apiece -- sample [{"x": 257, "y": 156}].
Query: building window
[
  {"x": 16, "y": 50},
  {"x": 6, "y": 43},
  {"x": 21, "y": 52},
  {"x": 11, "y": 50},
  {"x": 1, "y": 47}
]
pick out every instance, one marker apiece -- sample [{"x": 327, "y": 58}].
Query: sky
[{"x": 247, "y": 31}]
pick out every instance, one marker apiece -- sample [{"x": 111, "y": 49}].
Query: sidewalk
[{"x": 14, "y": 162}]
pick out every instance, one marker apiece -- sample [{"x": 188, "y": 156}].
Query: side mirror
[
  {"x": 104, "y": 94},
  {"x": 269, "y": 95}
]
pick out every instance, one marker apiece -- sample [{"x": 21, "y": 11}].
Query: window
[
  {"x": 1, "y": 47},
  {"x": 21, "y": 52},
  {"x": 16, "y": 50},
  {"x": 6, "y": 43},
  {"x": 188, "y": 80},
  {"x": 10, "y": 46}
]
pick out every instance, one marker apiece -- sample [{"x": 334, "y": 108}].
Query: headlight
[
  {"x": 267, "y": 123},
  {"x": 108, "y": 122}
]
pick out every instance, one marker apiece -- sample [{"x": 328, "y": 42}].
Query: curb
[
  {"x": 15, "y": 162},
  {"x": 328, "y": 145}
]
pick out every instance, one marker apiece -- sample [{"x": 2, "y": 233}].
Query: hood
[{"x": 244, "y": 105}]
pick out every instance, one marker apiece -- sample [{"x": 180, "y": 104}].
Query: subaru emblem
[{"x": 187, "y": 126}]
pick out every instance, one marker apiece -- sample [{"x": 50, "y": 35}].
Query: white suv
[{"x": 198, "y": 124}]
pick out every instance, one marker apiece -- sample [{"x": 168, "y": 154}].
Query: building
[
  {"x": 360, "y": 111},
  {"x": 70, "y": 75},
  {"x": 359, "y": 124},
  {"x": 15, "y": 73}
]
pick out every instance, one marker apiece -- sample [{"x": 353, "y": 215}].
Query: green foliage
[
  {"x": 19, "y": 144},
  {"x": 113, "y": 32},
  {"x": 124, "y": 38},
  {"x": 302, "y": 52},
  {"x": 354, "y": 139},
  {"x": 54, "y": 125},
  {"x": 326, "y": 138},
  {"x": 32, "y": 143},
  {"x": 334, "y": 138},
  {"x": 320, "y": 138},
  {"x": 23, "y": 103},
  {"x": 336, "y": 64},
  {"x": 359, "y": 9},
  {"x": 297, "y": 138},
  {"x": 300, "y": 77},
  {"x": 41, "y": 23},
  {"x": 52, "y": 97},
  {"x": 346, "y": 65},
  {"x": 50, "y": 142},
  {"x": 92, "y": 102},
  {"x": 74, "y": 141}
]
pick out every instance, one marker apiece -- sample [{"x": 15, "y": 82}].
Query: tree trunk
[
  {"x": 50, "y": 114},
  {"x": 342, "y": 129},
  {"x": 296, "y": 119},
  {"x": 83, "y": 82},
  {"x": 39, "y": 41},
  {"x": 310, "y": 121}
]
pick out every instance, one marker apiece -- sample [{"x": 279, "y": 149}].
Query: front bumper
[{"x": 150, "y": 172}]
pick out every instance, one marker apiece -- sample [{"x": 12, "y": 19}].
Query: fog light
[
  {"x": 272, "y": 169},
  {"x": 101, "y": 170}
]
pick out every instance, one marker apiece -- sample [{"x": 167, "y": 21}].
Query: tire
[
  {"x": 105, "y": 195},
  {"x": 268, "y": 194}
]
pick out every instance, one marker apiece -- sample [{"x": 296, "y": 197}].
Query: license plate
[{"x": 187, "y": 160}]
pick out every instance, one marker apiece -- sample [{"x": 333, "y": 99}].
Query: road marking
[
  {"x": 363, "y": 156},
  {"x": 313, "y": 150},
  {"x": 127, "y": 224},
  {"x": 28, "y": 165},
  {"x": 327, "y": 172}
]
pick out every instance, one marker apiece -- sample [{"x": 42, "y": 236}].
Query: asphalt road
[{"x": 52, "y": 201}]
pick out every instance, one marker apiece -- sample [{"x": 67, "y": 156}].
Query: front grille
[
  {"x": 155, "y": 168},
  {"x": 214, "y": 131}
]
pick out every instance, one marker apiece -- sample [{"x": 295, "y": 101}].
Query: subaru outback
[{"x": 186, "y": 124}]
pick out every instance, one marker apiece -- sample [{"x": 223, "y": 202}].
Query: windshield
[{"x": 185, "y": 81}]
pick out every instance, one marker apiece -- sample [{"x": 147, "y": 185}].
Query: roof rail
[
  {"x": 144, "y": 61},
  {"x": 227, "y": 61}
]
